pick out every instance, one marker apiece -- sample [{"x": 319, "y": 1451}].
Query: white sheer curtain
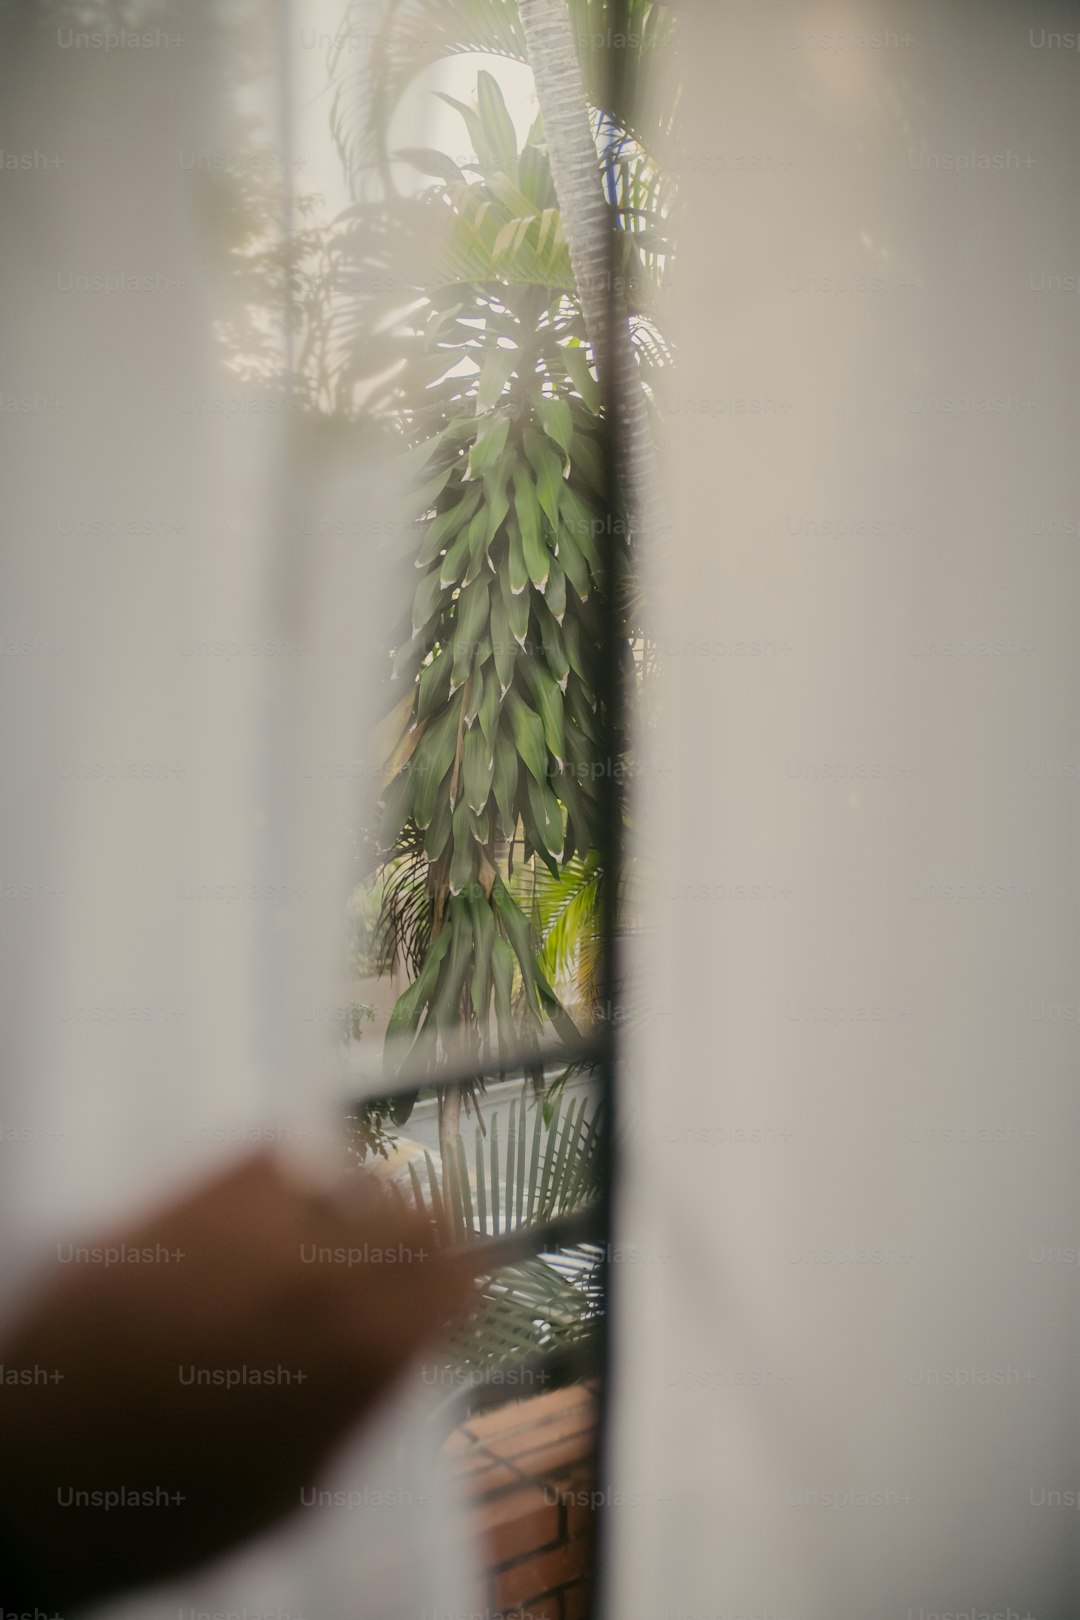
[
  {"x": 843, "y": 1219},
  {"x": 851, "y": 1161},
  {"x": 181, "y": 658}
]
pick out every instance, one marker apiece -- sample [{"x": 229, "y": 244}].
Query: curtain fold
[
  {"x": 847, "y": 1379},
  {"x": 186, "y": 668}
]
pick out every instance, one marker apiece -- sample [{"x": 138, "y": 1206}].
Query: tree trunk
[
  {"x": 587, "y": 225},
  {"x": 449, "y": 1132}
]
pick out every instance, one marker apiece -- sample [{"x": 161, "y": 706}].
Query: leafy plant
[
  {"x": 501, "y": 735},
  {"x": 450, "y": 320},
  {"x": 409, "y": 36},
  {"x": 550, "y": 1300}
]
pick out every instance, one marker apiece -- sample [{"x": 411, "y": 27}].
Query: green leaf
[
  {"x": 552, "y": 644},
  {"x": 472, "y": 698},
  {"x": 476, "y": 538},
  {"x": 550, "y": 704},
  {"x": 574, "y": 565},
  {"x": 582, "y": 745},
  {"x": 483, "y": 651},
  {"x": 463, "y": 859},
  {"x": 518, "y": 573},
  {"x": 488, "y": 713},
  {"x": 409, "y": 656},
  {"x": 496, "y": 499},
  {"x": 438, "y": 828},
  {"x": 472, "y": 120},
  {"x": 548, "y": 469},
  {"x": 577, "y": 366},
  {"x": 502, "y": 974},
  {"x": 556, "y": 421},
  {"x": 462, "y": 1181},
  {"x": 519, "y": 934},
  {"x": 548, "y": 821},
  {"x": 481, "y": 1183},
  {"x": 452, "y": 568},
  {"x": 495, "y": 373},
  {"x": 503, "y": 646},
  {"x": 396, "y": 808},
  {"x": 517, "y": 609},
  {"x": 429, "y": 161},
  {"x": 575, "y": 649},
  {"x": 481, "y": 826},
  {"x": 477, "y": 769},
  {"x": 589, "y": 464},
  {"x": 410, "y": 1004},
  {"x": 401, "y": 1107},
  {"x": 583, "y": 522},
  {"x": 446, "y": 1002},
  {"x": 537, "y": 556},
  {"x": 568, "y": 791},
  {"x": 433, "y": 686},
  {"x": 497, "y": 123},
  {"x": 550, "y": 225},
  {"x": 420, "y": 499},
  {"x": 504, "y": 780},
  {"x": 534, "y": 172},
  {"x": 528, "y": 736},
  {"x": 470, "y": 622},
  {"x": 407, "y": 1010},
  {"x": 439, "y": 531},
  {"x": 511, "y": 238},
  {"x": 555, "y": 594},
  {"x": 433, "y": 758},
  {"x": 438, "y": 1204},
  {"x": 484, "y": 935},
  {"x": 489, "y": 444},
  {"x": 426, "y": 600}
]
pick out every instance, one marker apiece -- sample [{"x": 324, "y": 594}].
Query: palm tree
[
  {"x": 570, "y": 46},
  {"x": 483, "y": 373},
  {"x": 479, "y": 366},
  {"x": 499, "y": 732},
  {"x": 587, "y": 221},
  {"x": 574, "y": 210}
]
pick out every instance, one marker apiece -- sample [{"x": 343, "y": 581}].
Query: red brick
[
  {"x": 502, "y": 1419},
  {"x": 580, "y": 1519},
  {"x": 518, "y": 1586},
  {"x": 580, "y": 1479},
  {"x": 533, "y": 1409},
  {"x": 529, "y": 1437},
  {"x": 547, "y": 1608},
  {"x": 515, "y": 1524},
  {"x": 546, "y": 1460},
  {"x": 470, "y": 1462},
  {"x": 495, "y": 1477},
  {"x": 577, "y": 1601}
]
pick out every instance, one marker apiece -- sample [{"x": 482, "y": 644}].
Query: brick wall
[{"x": 529, "y": 1470}]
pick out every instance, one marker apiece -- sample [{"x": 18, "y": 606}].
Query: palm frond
[
  {"x": 402, "y": 932},
  {"x": 533, "y": 1172},
  {"x": 400, "y": 39}
]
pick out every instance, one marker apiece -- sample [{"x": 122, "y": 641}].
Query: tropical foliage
[
  {"x": 541, "y": 1171},
  {"x": 445, "y": 316},
  {"x": 501, "y": 726},
  {"x": 410, "y": 36},
  {"x": 503, "y": 735}
]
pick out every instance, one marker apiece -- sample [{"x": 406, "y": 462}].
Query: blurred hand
[{"x": 248, "y": 1272}]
